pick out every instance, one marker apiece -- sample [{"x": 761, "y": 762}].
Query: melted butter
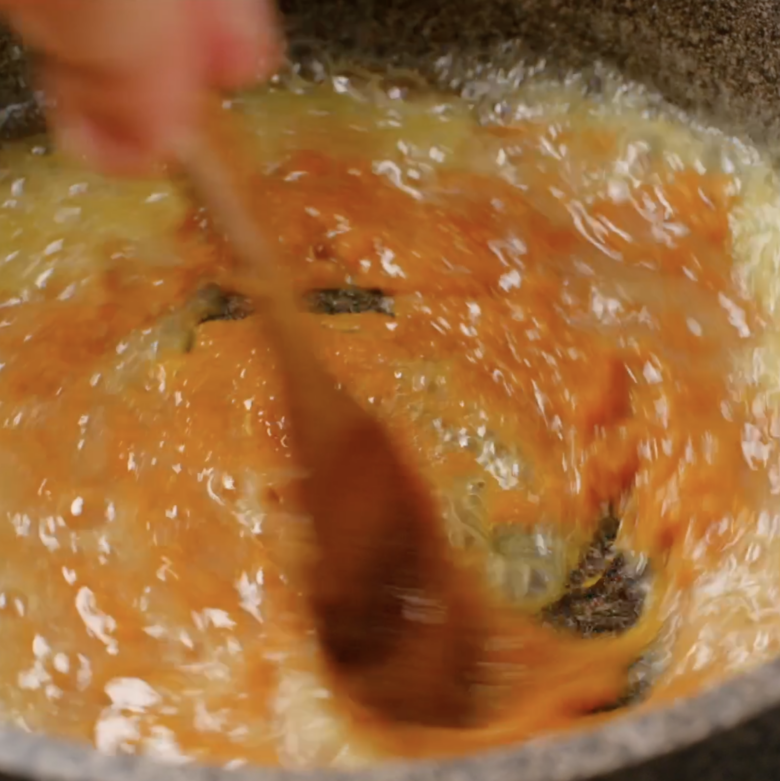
[{"x": 572, "y": 330}]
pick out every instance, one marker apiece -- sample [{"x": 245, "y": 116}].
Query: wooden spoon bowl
[{"x": 397, "y": 621}]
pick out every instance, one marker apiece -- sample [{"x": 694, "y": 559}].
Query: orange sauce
[{"x": 148, "y": 489}]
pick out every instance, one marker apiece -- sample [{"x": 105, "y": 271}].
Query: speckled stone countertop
[{"x": 720, "y": 55}]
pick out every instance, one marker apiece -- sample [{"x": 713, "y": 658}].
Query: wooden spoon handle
[{"x": 214, "y": 161}]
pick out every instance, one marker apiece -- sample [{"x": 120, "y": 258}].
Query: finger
[
  {"x": 145, "y": 109},
  {"x": 82, "y": 140},
  {"x": 109, "y": 35},
  {"x": 118, "y": 106},
  {"x": 243, "y": 39},
  {"x": 92, "y": 138}
]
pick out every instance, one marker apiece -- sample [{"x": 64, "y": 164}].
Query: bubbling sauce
[{"x": 565, "y": 326}]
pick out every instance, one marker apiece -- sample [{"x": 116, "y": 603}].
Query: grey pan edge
[{"x": 621, "y": 743}]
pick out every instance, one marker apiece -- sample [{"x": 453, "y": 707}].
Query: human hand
[{"x": 124, "y": 76}]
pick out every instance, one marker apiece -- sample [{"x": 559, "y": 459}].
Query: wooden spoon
[{"x": 398, "y": 625}]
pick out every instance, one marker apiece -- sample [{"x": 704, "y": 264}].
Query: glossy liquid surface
[{"x": 568, "y": 329}]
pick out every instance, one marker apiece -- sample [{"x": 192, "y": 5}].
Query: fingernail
[
  {"x": 254, "y": 48},
  {"x": 273, "y": 42},
  {"x": 243, "y": 26},
  {"x": 243, "y": 17}
]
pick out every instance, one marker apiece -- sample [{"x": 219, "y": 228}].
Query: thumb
[
  {"x": 243, "y": 40},
  {"x": 122, "y": 73}
]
